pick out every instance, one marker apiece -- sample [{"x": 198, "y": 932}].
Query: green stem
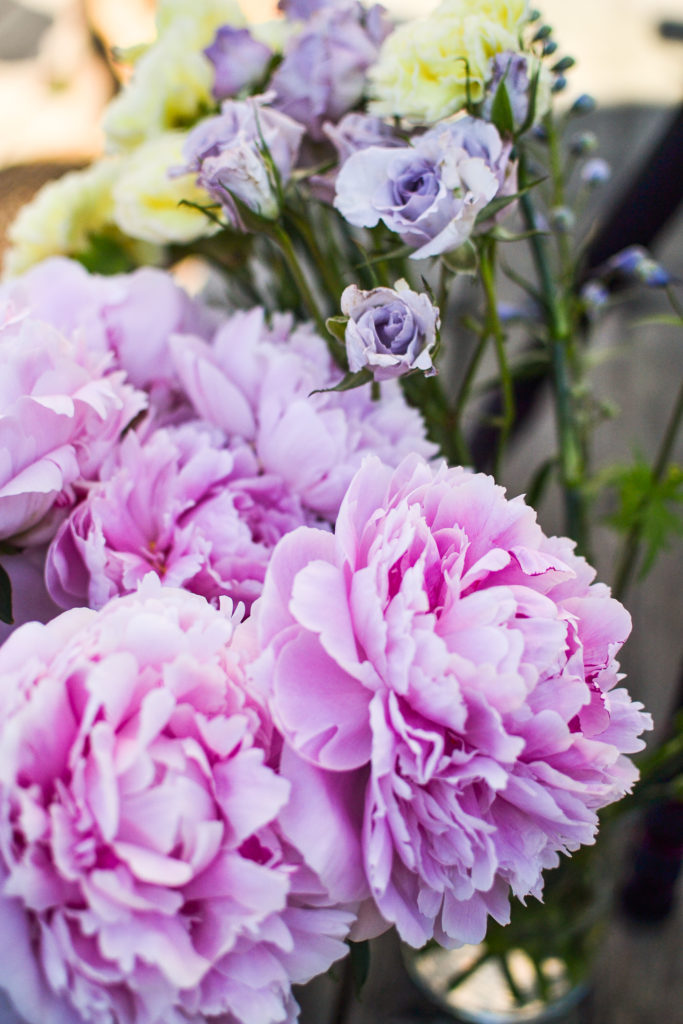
[
  {"x": 461, "y": 448},
  {"x": 628, "y": 557},
  {"x": 324, "y": 267},
  {"x": 495, "y": 329},
  {"x": 571, "y": 453},
  {"x": 284, "y": 243}
]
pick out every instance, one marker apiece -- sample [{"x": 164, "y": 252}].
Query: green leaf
[
  {"x": 5, "y": 597},
  {"x": 662, "y": 320},
  {"x": 655, "y": 507},
  {"x": 531, "y": 109},
  {"x": 336, "y": 325},
  {"x": 360, "y": 964},
  {"x": 500, "y": 202},
  {"x": 105, "y": 255},
  {"x": 348, "y": 382},
  {"x": 501, "y": 109}
]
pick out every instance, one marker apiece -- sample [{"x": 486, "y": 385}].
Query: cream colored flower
[
  {"x": 148, "y": 201},
  {"x": 171, "y": 87},
  {"x": 204, "y": 17},
  {"x": 171, "y": 83},
  {"x": 62, "y": 215},
  {"x": 423, "y": 67}
]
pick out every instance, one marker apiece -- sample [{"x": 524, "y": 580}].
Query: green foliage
[
  {"x": 653, "y": 507},
  {"x": 105, "y": 255},
  {"x": 5, "y": 597}
]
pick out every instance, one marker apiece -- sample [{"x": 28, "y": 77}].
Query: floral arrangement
[{"x": 299, "y": 676}]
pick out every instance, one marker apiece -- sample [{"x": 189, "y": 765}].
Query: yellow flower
[
  {"x": 423, "y": 67},
  {"x": 147, "y": 200},
  {"x": 202, "y": 17},
  {"x": 61, "y": 217},
  {"x": 171, "y": 83}
]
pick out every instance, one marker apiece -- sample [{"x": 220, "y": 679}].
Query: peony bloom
[
  {"x": 228, "y": 154},
  {"x": 255, "y": 384},
  {"x": 180, "y": 504},
  {"x": 131, "y": 316},
  {"x": 423, "y": 68},
  {"x": 390, "y": 330},
  {"x": 460, "y": 667},
  {"x": 145, "y": 876},
  {"x": 62, "y": 410},
  {"x": 430, "y": 192},
  {"x": 322, "y": 74}
]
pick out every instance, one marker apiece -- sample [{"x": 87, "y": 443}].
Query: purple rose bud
[
  {"x": 322, "y": 75},
  {"x": 390, "y": 330},
  {"x": 595, "y": 171},
  {"x": 228, "y": 153},
  {"x": 239, "y": 60},
  {"x": 514, "y": 68}
]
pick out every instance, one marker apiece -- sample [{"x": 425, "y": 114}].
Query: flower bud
[
  {"x": 583, "y": 143},
  {"x": 583, "y": 104},
  {"x": 595, "y": 171},
  {"x": 562, "y": 219}
]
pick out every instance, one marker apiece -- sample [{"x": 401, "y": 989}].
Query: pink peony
[
  {"x": 61, "y": 411},
  {"x": 179, "y": 503},
  {"x": 442, "y": 643},
  {"x": 145, "y": 877},
  {"x": 132, "y": 316},
  {"x": 255, "y": 384}
]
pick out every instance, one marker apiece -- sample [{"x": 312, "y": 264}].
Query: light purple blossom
[
  {"x": 429, "y": 192},
  {"x": 323, "y": 71},
  {"x": 390, "y": 330},
  {"x": 255, "y": 383},
  {"x": 62, "y": 410},
  {"x": 227, "y": 152},
  {"x": 180, "y": 504},
  {"x": 458, "y": 665},
  {"x": 514, "y": 69},
  {"x": 595, "y": 171},
  {"x": 239, "y": 60},
  {"x": 145, "y": 876},
  {"x": 353, "y": 132}
]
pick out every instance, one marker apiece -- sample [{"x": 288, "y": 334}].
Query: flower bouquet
[{"x": 301, "y": 673}]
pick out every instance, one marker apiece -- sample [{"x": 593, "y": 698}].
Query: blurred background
[{"x": 57, "y": 73}]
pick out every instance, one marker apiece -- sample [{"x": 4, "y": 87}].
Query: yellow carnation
[
  {"x": 147, "y": 200},
  {"x": 423, "y": 67},
  {"x": 61, "y": 217},
  {"x": 171, "y": 87},
  {"x": 202, "y": 17}
]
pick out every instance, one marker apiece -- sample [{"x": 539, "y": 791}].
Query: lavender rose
[
  {"x": 227, "y": 153},
  {"x": 239, "y": 60},
  {"x": 430, "y": 192},
  {"x": 322, "y": 75},
  {"x": 390, "y": 331}
]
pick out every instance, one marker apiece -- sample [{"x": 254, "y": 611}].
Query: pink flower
[
  {"x": 62, "y": 410},
  {"x": 460, "y": 666},
  {"x": 131, "y": 316},
  {"x": 145, "y": 877},
  {"x": 255, "y": 384},
  {"x": 182, "y": 505}
]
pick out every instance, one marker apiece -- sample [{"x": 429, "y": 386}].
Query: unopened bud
[
  {"x": 583, "y": 143},
  {"x": 559, "y": 84},
  {"x": 564, "y": 65},
  {"x": 562, "y": 219},
  {"x": 596, "y": 172},
  {"x": 584, "y": 104}
]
